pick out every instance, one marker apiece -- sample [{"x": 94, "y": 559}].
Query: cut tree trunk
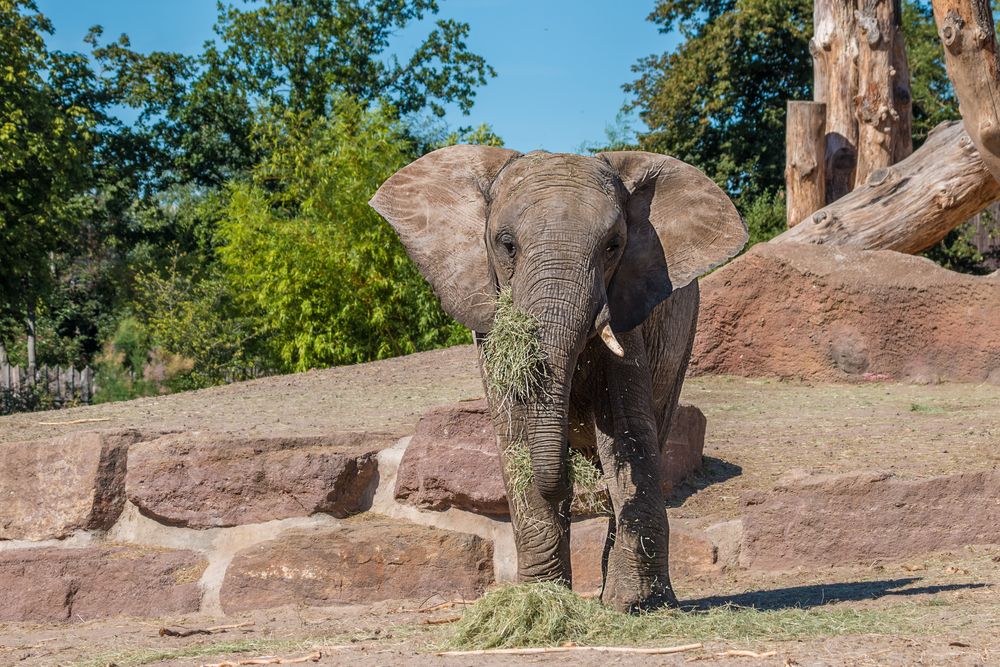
[
  {"x": 902, "y": 142},
  {"x": 805, "y": 149},
  {"x": 875, "y": 104},
  {"x": 835, "y": 83},
  {"x": 910, "y": 206},
  {"x": 970, "y": 53}
]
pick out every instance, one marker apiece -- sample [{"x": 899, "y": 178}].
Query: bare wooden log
[
  {"x": 970, "y": 53},
  {"x": 834, "y": 50},
  {"x": 805, "y": 150},
  {"x": 875, "y": 102},
  {"x": 910, "y": 206}
]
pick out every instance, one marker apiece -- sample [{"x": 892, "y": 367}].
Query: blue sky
[{"x": 560, "y": 63}]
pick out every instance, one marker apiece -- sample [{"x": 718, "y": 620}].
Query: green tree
[
  {"x": 718, "y": 100},
  {"x": 295, "y": 55},
  {"x": 46, "y": 140},
  {"x": 324, "y": 276}
]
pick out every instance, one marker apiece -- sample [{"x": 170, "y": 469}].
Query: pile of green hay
[
  {"x": 549, "y": 614},
  {"x": 543, "y": 614},
  {"x": 586, "y": 479},
  {"x": 513, "y": 359}
]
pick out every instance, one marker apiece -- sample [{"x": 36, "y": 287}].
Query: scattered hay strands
[
  {"x": 566, "y": 649},
  {"x": 92, "y": 420},
  {"x": 269, "y": 660},
  {"x": 442, "y": 621},
  {"x": 746, "y": 654},
  {"x": 444, "y": 605}
]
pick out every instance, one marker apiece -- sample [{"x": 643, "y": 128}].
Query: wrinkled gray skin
[{"x": 582, "y": 242}]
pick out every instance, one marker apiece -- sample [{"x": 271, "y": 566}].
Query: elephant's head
[{"x": 588, "y": 245}]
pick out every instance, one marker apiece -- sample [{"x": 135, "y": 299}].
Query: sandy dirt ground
[{"x": 940, "y": 609}]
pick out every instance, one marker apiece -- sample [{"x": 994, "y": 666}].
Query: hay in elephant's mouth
[
  {"x": 590, "y": 492},
  {"x": 549, "y": 614},
  {"x": 513, "y": 359}
]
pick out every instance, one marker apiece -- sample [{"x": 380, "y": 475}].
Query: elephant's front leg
[
  {"x": 541, "y": 528},
  {"x": 636, "y": 563}
]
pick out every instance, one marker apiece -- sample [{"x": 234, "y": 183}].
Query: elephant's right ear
[{"x": 437, "y": 205}]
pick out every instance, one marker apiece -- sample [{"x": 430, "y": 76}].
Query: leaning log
[
  {"x": 971, "y": 56},
  {"x": 909, "y": 206},
  {"x": 805, "y": 148}
]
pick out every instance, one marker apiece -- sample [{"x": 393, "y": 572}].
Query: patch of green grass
[
  {"x": 547, "y": 614},
  {"x": 513, "y": 359},
  {"x": 926, "y": 409}
]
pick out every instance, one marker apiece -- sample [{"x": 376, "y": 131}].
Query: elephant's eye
[
  {"x": 507, "y": 241},
  {"x": 613, "y": 246}
]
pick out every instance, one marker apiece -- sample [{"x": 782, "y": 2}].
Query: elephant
[{"x": 603, "y": 252}]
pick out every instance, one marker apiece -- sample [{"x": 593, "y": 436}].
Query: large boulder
[
  {"x": 681, "y": 454},
  {"x": 360, "y": 561},
  {"x": 206, "y": 480},
  {"x": 51, "y": 488},
  {"x": 452, "y": 459},
  {"x": 53, "y": 584},
  {"x": 832, "y": 313},
  {"x": 822, "y": 519}
]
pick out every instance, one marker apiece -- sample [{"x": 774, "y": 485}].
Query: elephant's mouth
[{"x": 514, "y": 359}]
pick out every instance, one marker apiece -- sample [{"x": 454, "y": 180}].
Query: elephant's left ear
[{"x": 696, "y": 224}]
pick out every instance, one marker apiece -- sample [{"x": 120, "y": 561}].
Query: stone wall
[
  {"x": 127, "y": 522},
  {"x": 130, "y": 522}
]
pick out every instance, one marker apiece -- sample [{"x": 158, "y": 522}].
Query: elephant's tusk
[{"x": 608, "y": 336}]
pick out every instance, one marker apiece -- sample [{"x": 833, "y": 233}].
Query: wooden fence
[{"x": 63, "y": 385}]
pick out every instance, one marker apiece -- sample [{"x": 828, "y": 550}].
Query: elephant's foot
[
  {"x": 633, "y": 597},
  {"x": 562, "y": 578}
]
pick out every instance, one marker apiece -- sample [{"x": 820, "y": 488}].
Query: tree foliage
[
  {"x": 718, "y": 100},
  {"x": 136, "y": 240},
  {"x": 324, "y": 275},
  {"x": 295, "y": 55},
  {"x": 45, "y": 151}
]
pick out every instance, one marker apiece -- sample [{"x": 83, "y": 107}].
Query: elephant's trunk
[{"x": 567, "y": 319}]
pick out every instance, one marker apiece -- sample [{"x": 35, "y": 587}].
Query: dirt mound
[{"x": 814, "y": 312}]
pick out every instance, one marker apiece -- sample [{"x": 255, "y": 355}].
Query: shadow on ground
[
  {"x": 805, "y": 597},
  {"x": 713, "y": 471}
]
